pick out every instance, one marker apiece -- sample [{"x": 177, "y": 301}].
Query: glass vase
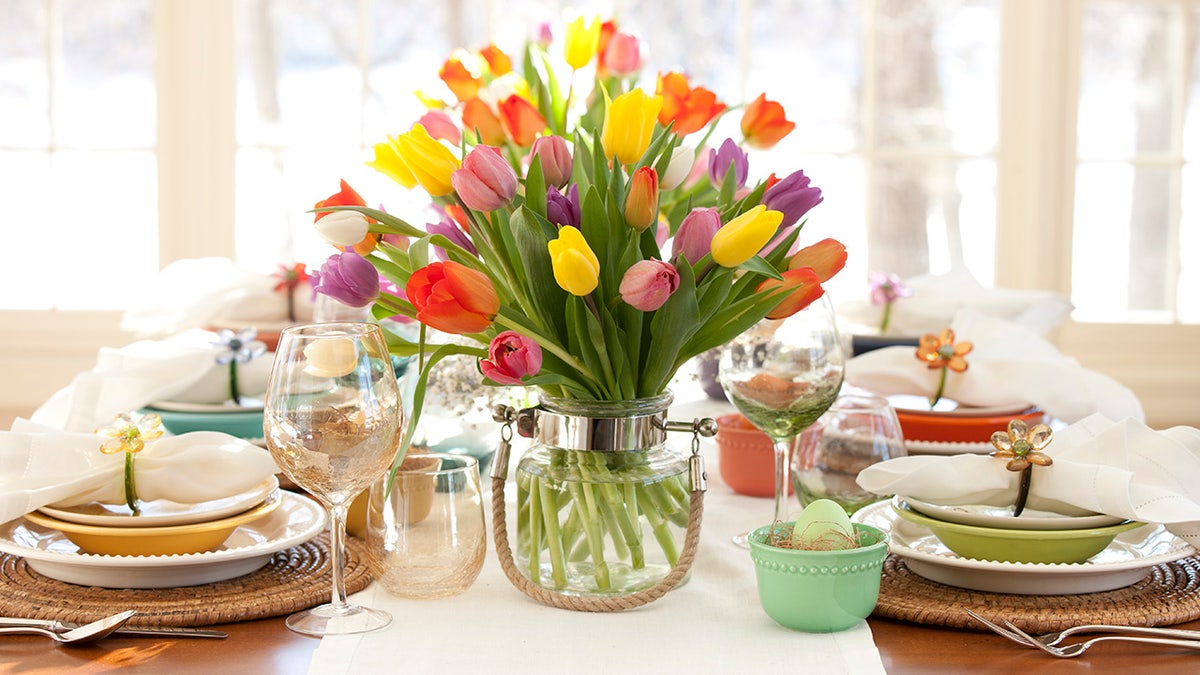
[{"x": 602, "y": 499}]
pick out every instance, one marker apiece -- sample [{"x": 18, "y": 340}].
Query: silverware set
[
  {"x": 1174, "y": 637},
  {"x": 68, "y": 633}
]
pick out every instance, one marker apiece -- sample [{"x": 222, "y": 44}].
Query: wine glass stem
[
  {"x": 337, "y": 542},
  {"x": 782, "y": 446}
]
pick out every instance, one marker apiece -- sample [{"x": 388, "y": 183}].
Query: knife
[{"x": 161, "y": 631}]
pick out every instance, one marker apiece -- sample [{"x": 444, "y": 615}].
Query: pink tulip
[
  {"x": 694, "y": 239},
  {"x": 555, "y": 157},
  {"x": 648, "y": 283},
  {"x": 511, "y": 356},
  {"x": 441, "y": 126},
  {"x": 622, "y": 56},
  {"x": 486, "y": 181}
]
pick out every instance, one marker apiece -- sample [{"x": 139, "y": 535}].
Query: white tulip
[
  {"x": 678, "y": 168},
  {"x": 343, "y": 228}
]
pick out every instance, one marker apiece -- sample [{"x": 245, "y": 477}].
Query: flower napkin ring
[
  {"x": 239, "y": 347},
  {"x": 939, "y": 351},
  {"x": 1022, "y": 447},
  {"x": 128, "y": 433}
]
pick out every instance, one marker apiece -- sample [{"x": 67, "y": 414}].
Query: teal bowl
[
  {"x": 819, "y": 591},
  {"x": 1018, "y": 546},
  {"x": 239, "y": 423}
]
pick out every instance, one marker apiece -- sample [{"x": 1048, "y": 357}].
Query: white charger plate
[
  {"x": 1001, "y": 517},
  {"x": 248, "y": 548},
  {"x": 1126, "y": 561},
  {"x": 947, "y": 448},
  {"x": 919, "y": 405},
  {"x": 163, "y": 512}
]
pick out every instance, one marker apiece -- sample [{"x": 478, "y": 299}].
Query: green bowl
[
  {"x": 240, "y": 423},
  {"x": 1018, "y": 546},
  {"x": 819, "y": 591}
]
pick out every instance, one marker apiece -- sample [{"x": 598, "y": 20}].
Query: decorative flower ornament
[
  {"x": 290, "y": 278},
  {"x": 128, "y": 433},
  {"x": 238, "y": 347},
  {"x": 939, "y": 351},
  {"x": 1022, "y": 447},
  {"x": 886, "y": 289}
]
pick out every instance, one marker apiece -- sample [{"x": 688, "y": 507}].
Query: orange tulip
[
  {"x": 462, "y": 79},
  {"x": 802, "y": 287},
  {"x": 521, "y": 121},
  {"x": 690, "y": 109},
  {"x": 641, "y": 202},
  {"x": 347, "y": 196},
  {"x": 826, "y": 257},
  {"x": 764, "y": 123},
  {"x": 477, "y": 116},
  {"x": 452, "y": 297},
  {"x": 498, "y": 62}
]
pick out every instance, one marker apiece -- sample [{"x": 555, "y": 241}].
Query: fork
[
  {"x": 1051, "y": 639},
  {"x": 1071, "y": 651}
]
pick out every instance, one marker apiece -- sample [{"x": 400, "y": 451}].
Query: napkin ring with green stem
[
  {"x": 128, "y": 433},
  {"x": 1022, "y": 447}
]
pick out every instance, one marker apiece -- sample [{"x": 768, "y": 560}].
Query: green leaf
[
  {"x": 535, "y": 188},
  {"x": 545, "y": 295},
  {"x": 728, "y": 189},
  {"x": 759, "y": 266}
]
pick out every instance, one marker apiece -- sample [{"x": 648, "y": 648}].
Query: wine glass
[
  {"x": 332, "y": 422},
  {"x": 782, "y": 375}
]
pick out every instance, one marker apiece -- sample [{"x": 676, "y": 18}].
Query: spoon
[{"x": 86, "y": 633}]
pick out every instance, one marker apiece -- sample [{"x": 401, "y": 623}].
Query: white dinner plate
[
  {"x": 919, "y": 405},
  {"x": 50, "y": 553},
  {"x": 1001, "y": 517},
  {"x": 947, "y": 448},
  {"x": 163, "y": 512},
  {"x": 1126, "y": 561}
]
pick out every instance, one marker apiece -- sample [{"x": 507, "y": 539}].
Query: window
[{"x": 1038, "y": 144}]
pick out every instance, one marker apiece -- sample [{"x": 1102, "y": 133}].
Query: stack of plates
[
  {"x": 243, "y": 421},
  {"x": 165, "y": 543}
]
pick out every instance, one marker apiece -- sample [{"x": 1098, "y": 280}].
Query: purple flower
[
  {"x": 887, "y": 288},
  {"x": 729, "y": 153},
  {"x": 450, "y": 230},
  {"x": 793, "y": 196},
  {"x": 348, "y": 278},
  {"x": 694, "y": 239},
  {"x": 563, "y": 209}
]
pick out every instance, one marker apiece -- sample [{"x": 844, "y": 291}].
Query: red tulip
[
  {"x": 520, "y": 120},
  {"x": 690, "y": 109},
  {"x": 802, "y": 286},
  {"x": 452, "y": 297}
]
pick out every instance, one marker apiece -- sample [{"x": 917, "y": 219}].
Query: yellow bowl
[{"x": 167, "y": 540}]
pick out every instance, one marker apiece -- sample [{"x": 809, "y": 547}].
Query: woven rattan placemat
[
  {"x": 1170, "y": 594},
  {"x": 294, "y": 579}
]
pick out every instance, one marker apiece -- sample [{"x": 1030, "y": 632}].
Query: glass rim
[
  {"x": 860, "y": 402},
  {"x": 332, "y": 329},
  {"x": 468, "y": 462}
]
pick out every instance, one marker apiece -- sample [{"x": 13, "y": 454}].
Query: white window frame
[{"x": 1040, "y": 51}]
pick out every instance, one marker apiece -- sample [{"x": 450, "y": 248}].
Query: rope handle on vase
[{"x": 499, "y": 473}]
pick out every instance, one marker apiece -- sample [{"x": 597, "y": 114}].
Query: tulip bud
[
  {"x": 481, "y": 123},
  {"x": 581, "y": 41},
  {"x": 511, "y": 356},
  {"x": 520, "y": 120},
  {"x": 794, "y": 196},
  {"x": 428, "y": 160},
  {"x": 798, "y": 289},
  {"x": 486, "y": 181},
  {"x": 563, "y": 210},
  {"x": 450, "y": 230},
  {"x": 729, "y": 154},
  {"x": 555, "y": 157},
  {"x": 440, "y": 126},
  {"x": 343, "y": 228},
  {"x": 641, "y": 203},
  {"x": 622, "y": 55},
  {"x": 694, "y": 239},
  {"x": 387, "y": 161},
  {"x": 743, "y": 237},
  {"x": 648, "y": 283},
  {"x": 682, "y": 159},
  {"x": 348, "y": 278},
  {"x": 629, "y": 125},
  {"x": 764, "y": 123},
  {"x": 826, "y": 257},
  {"x": 576, "y": 267}
]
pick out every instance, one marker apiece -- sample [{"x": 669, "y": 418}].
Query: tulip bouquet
[{"x": 554, "y": 207}]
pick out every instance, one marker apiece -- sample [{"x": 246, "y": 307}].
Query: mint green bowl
[
  {"x": 819, "y": 591},
  {"x": 1018, "y": 546}
]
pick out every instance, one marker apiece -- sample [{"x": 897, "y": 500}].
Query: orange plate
[
  {"x": 960, "y": 427},
  {"x": 747, "y": 458}
]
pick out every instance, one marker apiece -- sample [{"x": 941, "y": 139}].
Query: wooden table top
[{"x": 267, "y": 646}]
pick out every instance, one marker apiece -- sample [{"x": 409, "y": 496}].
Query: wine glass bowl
[
  {"x": 782, "y": 375},
  {"x": 331, "y": 420}
]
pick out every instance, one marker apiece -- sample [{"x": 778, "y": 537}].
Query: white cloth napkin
[
  {"x": 40, "y": 466},
  {"x": 1122, "y": 469},
  {"x": 180, "y": 368},
  {"x": 937, "y": 298},
  {"x": 1009, "y": 364}
]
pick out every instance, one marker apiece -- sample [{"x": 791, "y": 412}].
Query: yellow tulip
[
  {"x": 387, "y": 161},
  {"x": 628, "y": 125},
  {"x": 430, "y": 162},
  {"x": 743, "y": 237},
  {"x": 581, "y": 41},
  {"x": 576, "y": 268}
]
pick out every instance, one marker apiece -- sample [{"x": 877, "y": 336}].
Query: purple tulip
[
  {"x": 729, "y": 153},
  {"x": 450, "y": 230},
  {"x": 793, "y": 196},
  {"x": 648, "y": 283},
  {"x": 694, "y": 239},
  {"x": 563, "y": 209},
  {"x": 348, "y": 278}
]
